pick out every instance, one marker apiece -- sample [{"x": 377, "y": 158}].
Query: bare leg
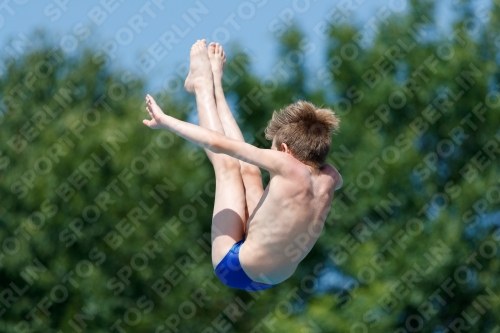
[
  {"x": 228, "y": 218},
  {"x": 252, "y": 178}
]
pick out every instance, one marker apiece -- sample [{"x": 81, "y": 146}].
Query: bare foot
[
  {"x": 199, "y": 67},
  {"x": 217, "y": 58}
]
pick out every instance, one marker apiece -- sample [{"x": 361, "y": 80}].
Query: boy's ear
[{"x": 284, "y": 148}]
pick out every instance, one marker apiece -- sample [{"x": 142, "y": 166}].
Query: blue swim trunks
[{"x": 230, "y": 272}]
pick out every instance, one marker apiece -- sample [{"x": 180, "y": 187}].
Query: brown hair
[{"x": 305, "y": 129}]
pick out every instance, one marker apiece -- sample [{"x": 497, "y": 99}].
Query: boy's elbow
[
  {"x": 339, "y": 182},
  {"x": 215, "y": 143}
]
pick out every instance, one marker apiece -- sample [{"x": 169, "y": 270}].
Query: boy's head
[{"x": 305, "y": 130}]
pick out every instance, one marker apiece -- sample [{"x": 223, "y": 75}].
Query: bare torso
[{"x": 287, "y": 222}]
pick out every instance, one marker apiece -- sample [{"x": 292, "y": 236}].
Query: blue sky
[{"x": 135, "y": 30}]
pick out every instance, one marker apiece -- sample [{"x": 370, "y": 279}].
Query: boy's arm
[
  {"x": 270, "y": 160},
  {"x": 334, "y": 173},
  {"x": 337, "y": 177},
  {"x": 339, "y": 183}
]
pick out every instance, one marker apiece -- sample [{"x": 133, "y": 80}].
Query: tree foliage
[{"x": 105, "y": 224}]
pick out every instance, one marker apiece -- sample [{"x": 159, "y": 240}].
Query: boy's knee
[
  {"x": 249, "y": 170},
  {"x": 228, "y": 163}
]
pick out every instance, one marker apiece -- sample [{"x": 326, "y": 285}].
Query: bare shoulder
[
  {"x": 291, "y": 167},
  {"x": 331, "y": 171}
]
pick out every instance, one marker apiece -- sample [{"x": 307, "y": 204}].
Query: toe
[{"x": 211, "y": 48}]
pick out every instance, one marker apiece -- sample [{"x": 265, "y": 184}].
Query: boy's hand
[{"x": 157, "y": 115}]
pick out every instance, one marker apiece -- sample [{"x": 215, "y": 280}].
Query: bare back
[{"x": 287, "y": 222}]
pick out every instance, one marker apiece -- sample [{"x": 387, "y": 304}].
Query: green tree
[{"x": 105, "y": 224}]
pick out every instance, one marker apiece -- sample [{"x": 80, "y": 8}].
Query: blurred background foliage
[{"x": 410, "y": 244}]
